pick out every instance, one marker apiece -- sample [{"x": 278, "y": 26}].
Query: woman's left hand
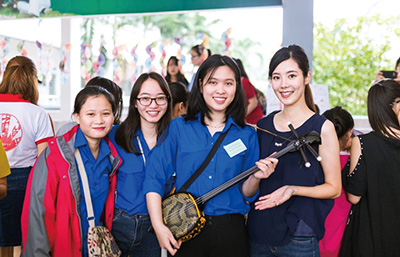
[{"x": 274, "y": 199}]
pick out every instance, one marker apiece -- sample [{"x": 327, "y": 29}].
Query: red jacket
[{"x": 51, "y": 216}]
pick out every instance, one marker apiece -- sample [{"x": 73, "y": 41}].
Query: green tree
[{"x": 347, "y": 58}]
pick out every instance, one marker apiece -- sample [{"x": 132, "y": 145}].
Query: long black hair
[
  {"x": 381, "y": 97},
  {"x": 179, "y": 76},
  {"x": 126, "y": 131},
  {"x": 237, "y": 109},
  {"x": 296, "y": 53}
]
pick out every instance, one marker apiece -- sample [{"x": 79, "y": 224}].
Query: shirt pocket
[
  {"x": 235, "y": 163},
  {"x": 190, "y": 156}
]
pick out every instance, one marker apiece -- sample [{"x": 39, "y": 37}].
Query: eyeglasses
[{"x": 146, "y": 101}]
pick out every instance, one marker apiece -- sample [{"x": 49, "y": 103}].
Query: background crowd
[{"x": 336, "y": 198}]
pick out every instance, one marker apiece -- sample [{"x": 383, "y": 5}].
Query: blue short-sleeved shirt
[
  {"x": 185, "y": 148},
  {"x": 130, "y": 196},
  {"x": 97, "y": 172}
]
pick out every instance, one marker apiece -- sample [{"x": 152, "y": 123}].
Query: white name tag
[{"x": 235, "y": 148}]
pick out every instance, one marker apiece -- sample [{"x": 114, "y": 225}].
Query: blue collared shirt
[
  {"x": 97, "y": 173},
  {"x": 184, "y": 150},
  {"x": 131, "y": 173}
]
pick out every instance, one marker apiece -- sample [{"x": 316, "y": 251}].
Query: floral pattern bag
[{"x": 100, "y": 241}]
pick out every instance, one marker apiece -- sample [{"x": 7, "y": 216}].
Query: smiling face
[
  {"x": 219, "y": 89},
  {"x": 153, "y": 113},
  {"x": 95, "y": 118},
  {"x": 289, "y": 83}
]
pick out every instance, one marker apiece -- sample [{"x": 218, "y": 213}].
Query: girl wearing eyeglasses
[
  {"x": 150, "y": 111},
  {"x": 216, "y": 106}
]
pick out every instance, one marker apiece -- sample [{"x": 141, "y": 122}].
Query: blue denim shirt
[
  {"x": 184, "y": 150},
  {"x": 131, "y": 173},
  {"x": 97, "y": 173}
]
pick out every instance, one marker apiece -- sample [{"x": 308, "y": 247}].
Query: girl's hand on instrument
[
  {"x": 274, "y": 199},
  {"x": 266, "y": 166},
  {"x": 167, "y": 240}
]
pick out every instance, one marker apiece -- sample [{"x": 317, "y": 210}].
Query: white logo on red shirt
[{"x": 11, "y": 131}]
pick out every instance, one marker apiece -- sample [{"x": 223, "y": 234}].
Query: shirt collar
[
  {"x": 80, "y": 139},
  {"x": 12, "y": 98}
]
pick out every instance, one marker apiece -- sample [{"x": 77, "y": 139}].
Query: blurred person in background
[{"x": 25, "y": 130}]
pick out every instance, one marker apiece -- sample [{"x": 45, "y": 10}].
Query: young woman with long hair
[
  {"x": 373, "y": 178},
  {"x": 288, "y": 217},
  {"x": 150, "y": 111},
  {"x": 25, "y": 129},
  {"x": 174, "y": 73},
  {"x": 216, "y": 106}
]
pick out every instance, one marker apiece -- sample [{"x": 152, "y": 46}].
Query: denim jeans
[
  {"x": 297, "y": 247},
  {"x": 11, "y": 207},
  {"x": 132, "y": 236}
]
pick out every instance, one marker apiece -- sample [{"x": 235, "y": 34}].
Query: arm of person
[
  {"x": 35, "y": 240},
  {"x": 44, "y": 132},
  {"x": 3, "y": 187},
  {"x": 159, "y": 168},
  {"x": 41, "y": 147},
  {"x": 330, "y": 189},
  {"x": 4, "y": 171},
  {"x": 355, "y": 154},
  {"x": 266, "y": 168},
  {"x": 251, "y": 104},
  {"x": 164, "y": 235}
]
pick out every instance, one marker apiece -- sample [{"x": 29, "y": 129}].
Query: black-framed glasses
[{"x": 146, "y": 101}]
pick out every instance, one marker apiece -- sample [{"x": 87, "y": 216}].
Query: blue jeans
[
  {"x": 132, "y": 236},
  {"x": 11, "y": 207},
  {"x": 297, "y": 247}
]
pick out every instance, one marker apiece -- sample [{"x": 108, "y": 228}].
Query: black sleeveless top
[{"x": 275, "y": 226}]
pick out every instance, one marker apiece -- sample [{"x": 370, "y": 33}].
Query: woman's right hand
[
  {"x": 167, "y": 240},
  {"x": 379, "y": 76}
]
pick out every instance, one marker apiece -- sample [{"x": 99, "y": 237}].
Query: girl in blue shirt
[
  {"x": 150, "y": 111},
  {"x": 216, "y": 105},
  {"x": 288, "y": 218}
]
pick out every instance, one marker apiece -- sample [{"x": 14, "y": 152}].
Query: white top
[{"x": 23, "y": 125}]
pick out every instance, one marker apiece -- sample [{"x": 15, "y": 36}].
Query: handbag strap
[
  {"x": 197, "y": 173},
  {"x": 85, "y": 185}
]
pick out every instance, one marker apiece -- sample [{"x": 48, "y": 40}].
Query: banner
[{"x": 53, "y": 8}]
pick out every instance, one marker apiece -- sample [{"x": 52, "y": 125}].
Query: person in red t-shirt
[{"x": 254, "y": 110}]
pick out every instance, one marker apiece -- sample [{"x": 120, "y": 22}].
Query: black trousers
[{"x": 223, "y": 236}]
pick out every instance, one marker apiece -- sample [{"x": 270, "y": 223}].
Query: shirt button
[
  {"x": 64, "y": 177},
  {"x": 210, "y": 177}
]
